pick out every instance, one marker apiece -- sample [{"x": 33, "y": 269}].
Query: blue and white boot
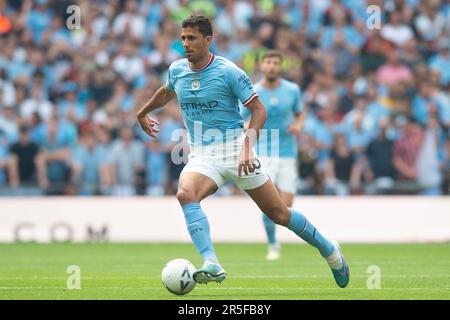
[
  {"x": 339, "y": 266},
  {"x": 210, "y": 272}
]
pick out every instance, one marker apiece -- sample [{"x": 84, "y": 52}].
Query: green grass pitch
[{"x": 132, "y": 271}]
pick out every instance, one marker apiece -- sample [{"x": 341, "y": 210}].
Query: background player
[
  {"x": 278, "y": 152},
  {"x": 208, "y": 89}
]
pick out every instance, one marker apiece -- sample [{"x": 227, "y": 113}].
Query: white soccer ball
[{"x": 177, "y": 276}]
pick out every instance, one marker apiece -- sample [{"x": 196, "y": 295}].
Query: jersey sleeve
[
  {"x": 298, "y": 106},
  {"x": 241, "y": 85},
  {"x": 245, "y": 112}
]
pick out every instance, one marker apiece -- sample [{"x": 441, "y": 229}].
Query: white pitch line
[
  {"x": 224, "y": 288},
  {"x": 353, "y": 276},
  {"x": 363, "y": 276},
  {"x": 299, "y": 263}
]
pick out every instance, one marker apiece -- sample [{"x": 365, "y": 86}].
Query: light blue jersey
[
  {"x": 209, "y": 98},
  {"x": 282, "y": 104}
]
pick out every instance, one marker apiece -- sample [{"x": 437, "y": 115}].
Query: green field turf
[{"x": 132, "y": 271}]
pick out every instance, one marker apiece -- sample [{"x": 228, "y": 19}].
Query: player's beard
[
  {"x": 272, "y": 78},
  {"x": 190, "y": 58},
  {"x": 194, "y": 58}
]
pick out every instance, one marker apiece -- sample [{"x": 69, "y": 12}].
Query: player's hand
[
  {"x": 295, "y": 128},
  {"x": 148, "y": 125},
  {"x": 247, "y": 161}
]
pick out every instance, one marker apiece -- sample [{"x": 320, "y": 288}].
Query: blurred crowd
[{"x": 377, "y": 99}]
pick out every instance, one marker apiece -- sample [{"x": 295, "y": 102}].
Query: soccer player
[
  {"x": 208, "y": 88},
  {"x": 277, "y": 147}
]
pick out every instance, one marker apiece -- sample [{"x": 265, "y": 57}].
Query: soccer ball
[{"x": 177, "y": 276}]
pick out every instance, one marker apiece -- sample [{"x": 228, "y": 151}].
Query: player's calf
[{"x": 279, "y": 214}]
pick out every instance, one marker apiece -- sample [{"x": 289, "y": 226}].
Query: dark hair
[
  {"x": 412, "y": 120},
  {"x": 271, "y": 54},
  {"x": 202, "y": 22},
  {"x": 23, "y": 129}
]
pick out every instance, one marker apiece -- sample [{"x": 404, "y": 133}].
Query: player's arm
[
  {"x": 299, "y": 115},
  {"x": 257, "y": 120},
  {"x": 13, "y": 170},
  {"x": 296, "y": 126},
  {"x": 161, "y": 97},
  {"x": 242, "y": 88}
]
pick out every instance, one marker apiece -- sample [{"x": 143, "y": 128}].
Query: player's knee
[
  {"x": 186, "y": 196},
  {"x": 279, "y": 214},
  {"x": 289, "y": 203}
]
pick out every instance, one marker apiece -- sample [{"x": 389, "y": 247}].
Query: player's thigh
[
  {"x": 194, "y": 187},
  {"x": 287, "y": 180},
  {"x": 269, "y": 201}
]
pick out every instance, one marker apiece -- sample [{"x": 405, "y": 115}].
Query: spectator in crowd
[
  {"x": 357, "y": 137},
  {"x": 36, "y": 104},
  {"x": 156, "y": 159},
  {"x": 340, "y": 24},
  {"x": 307, "y": 163},
  {"x": 128, "y": 63},
  {"x": 23, "y": 171},
  {"x": 103, "y": 148},
  {"x": 7, "y": 90},
  {"x": 344, "y": 58},
  {"x": 410, "y": 55},
  {"x": 359, "y": 126},
  {"x": 396, "y": 31},
  {"x": 54, "y": 162},
  {"x": 426, "y": 101},
  {"x": 126, "y": 160},
  {"x": 129, "y": 23},
  {"x": 5, "y": 21},
  {"x": 430, "y": 23},
  {"x": 4, "y": 160},
  {"x": 86, "y": 167},
  {"x": 429, "y": 175},
  {"x": 393, "y": 71},
  {"x": 8, "y": 123},
  {"x": 406, "y": 152},
  {"x": 380, "y": 171},
  {"x": 343, "y": 171},
  {"x": 373, "y": 53},
  {"x": 69, "y": 108},
  {"x": 446, "y": 168},
  {"x": 441, "y": 62}
]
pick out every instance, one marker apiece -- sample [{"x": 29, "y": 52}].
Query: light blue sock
[
  {"x": 305, "y": 230},
  {"x": 198, "y": 227},
  {"x": 269, "y": 225}
]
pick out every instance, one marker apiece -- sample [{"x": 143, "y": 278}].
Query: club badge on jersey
[{"x": 195, "y": 84}]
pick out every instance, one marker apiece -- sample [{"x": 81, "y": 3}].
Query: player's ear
[{"x": 208, "y": 39}]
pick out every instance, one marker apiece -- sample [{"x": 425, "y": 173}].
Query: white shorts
[
  {"x": 283, "y": 172},
  {"x": 219, "y": 161}
]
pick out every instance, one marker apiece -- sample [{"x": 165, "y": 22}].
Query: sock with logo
[{"x": 198, "y": 227}]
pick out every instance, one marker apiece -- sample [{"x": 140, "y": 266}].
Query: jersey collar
[{"x": 211, "y": 59}]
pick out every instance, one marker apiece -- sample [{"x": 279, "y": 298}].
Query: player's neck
[
  {"x": 202, "y": 63},
  {"x": 271, "y": 84}
]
